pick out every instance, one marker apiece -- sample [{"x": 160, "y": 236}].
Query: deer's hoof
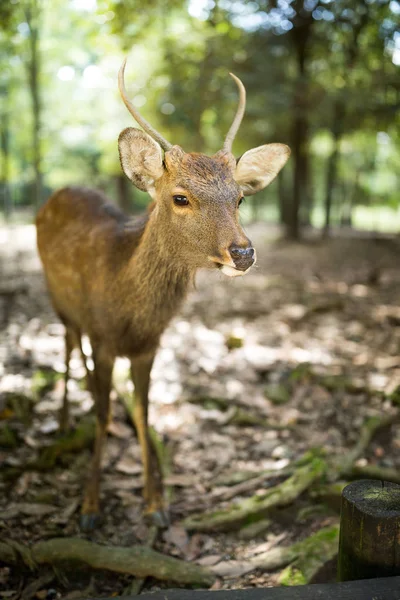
[
  {"x": 89, "y": 522},
  {"x": 159, "y": 518}
]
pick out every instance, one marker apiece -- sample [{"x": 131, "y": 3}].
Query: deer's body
[
  {"x": 120, "y": 281},
  {"x": 108, "y": 275}
]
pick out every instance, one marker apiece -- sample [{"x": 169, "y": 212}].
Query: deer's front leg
[{"x": 153, "y": 485}]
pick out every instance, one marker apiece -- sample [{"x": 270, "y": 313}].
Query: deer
[{"x": 119, "y": 280}]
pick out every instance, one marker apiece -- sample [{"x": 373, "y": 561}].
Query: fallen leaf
[
  {"x": 232, "y": 568},
  {"x": 119, "y": 430},
  {"x": 209, "y": 561},
  {"x": 28, "y": 509},
  {"x": 181, "y": 480},
  {"x": 177, "y": 536},
  {"x": 129, "y": 465},
  {"x": 198, "y": 544},
  {"x": 64, "y": 516}
]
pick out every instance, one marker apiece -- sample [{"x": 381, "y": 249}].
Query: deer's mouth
[
  {"x": 229, "y": 268},
  {"x": 232, "y": 271}
]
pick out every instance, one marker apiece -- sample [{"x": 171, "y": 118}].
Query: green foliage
[
  {"x": 44, "y": 380},
  {"x": 331, "y": 67}
]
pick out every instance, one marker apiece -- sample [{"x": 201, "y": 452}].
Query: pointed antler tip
[
  {"x": 236, "y": 79},
  {"x": 135, "y": 113},
  {"x": 123, "y": 65}
]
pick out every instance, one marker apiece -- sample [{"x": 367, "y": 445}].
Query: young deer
[{"x": 121, "y": 280}]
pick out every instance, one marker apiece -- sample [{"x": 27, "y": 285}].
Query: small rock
[{"x": 277, "y": 393}]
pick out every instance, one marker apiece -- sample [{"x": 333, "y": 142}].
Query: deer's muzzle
[{"x": 243, "y": 258}]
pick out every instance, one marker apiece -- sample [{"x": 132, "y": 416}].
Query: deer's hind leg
[
  {"x": 101, "y": 387},
  {"x": 72, "y": 339},
  {"x": 153, "y": 484}
]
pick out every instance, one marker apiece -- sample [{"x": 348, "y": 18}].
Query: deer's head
[{"x": 197, "y": 196}]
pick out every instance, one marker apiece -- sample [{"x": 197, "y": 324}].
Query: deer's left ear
[{"x": 259, "y": 166}]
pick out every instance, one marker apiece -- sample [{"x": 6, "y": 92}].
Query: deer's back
[{"x": 83, "y": 249}]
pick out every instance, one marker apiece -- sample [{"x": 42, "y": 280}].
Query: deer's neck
[{"x": 156, "y": 277}]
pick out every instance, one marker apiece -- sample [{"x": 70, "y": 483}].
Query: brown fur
[
  {"x": 121, "y": 280},
  {"x": 106, "y": 274}
]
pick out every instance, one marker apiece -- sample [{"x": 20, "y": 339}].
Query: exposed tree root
[
  {"x": 256, "y": 506},
  {"x": 250, "y": 484},
  {"x": 367, "y": 433},
  {"x": 78, "y": 439},
  {"x": 329, "y": 493},
  {"x": 139, "y": 561},
  {"x": 309, "y": 470},
  {"x": 312, "y": 554},
  {"x": 249, "y": 532},
  {"x": 305, "y": 558},
  {"x": 374, "y": 472},
  {"x": 135, "y": 587}
]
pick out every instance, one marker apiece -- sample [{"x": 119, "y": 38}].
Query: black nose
[{"x": 242, "y": 257}]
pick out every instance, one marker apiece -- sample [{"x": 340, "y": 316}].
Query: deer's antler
[
  {"x": 136, "y": 115},
  {"x": 227, "y": 147}
]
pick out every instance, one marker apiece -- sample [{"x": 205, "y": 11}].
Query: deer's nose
[{"x": 242, "y": 257}]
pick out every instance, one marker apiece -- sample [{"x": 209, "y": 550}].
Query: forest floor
[{"x": 253, "y": 374}]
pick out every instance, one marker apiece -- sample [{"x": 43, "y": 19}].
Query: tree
[
  {"x": 24, "y": 17},
  {"x": 32, "y": 13}
]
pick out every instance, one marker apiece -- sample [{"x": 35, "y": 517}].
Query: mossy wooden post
[{"x": 369, "y": 543}]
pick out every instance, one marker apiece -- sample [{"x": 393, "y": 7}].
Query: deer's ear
[
  {"x": 141, "y": 158},
  {"x": 259, "y": 166}
]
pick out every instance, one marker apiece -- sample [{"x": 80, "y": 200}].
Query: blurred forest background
[
  {"x": 284, "y": 384},
  {"x": 321, "y": 76}
]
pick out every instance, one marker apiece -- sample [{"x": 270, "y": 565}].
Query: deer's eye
[
  {"x": 180, "y": 200},
  {"x": 240, "y": 201}
]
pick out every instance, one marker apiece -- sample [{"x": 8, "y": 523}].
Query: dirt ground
[{"x": 252, "y": 373}]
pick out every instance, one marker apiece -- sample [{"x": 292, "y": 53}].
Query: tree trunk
[
  {"x": 330, "y": 185},
  {"x": 332, "y": 168},
  {"x": 300, "y": 130},
  {"x": 5, "y": 165},
  {"x": 347, "y": 209},
  {"x": 123, "y": 195},
  {"x": 350, "y": 54},
  {"x": 369, "y": 531},
  {"x": 33, "y": 67},
  {"x": 282, "y": 199},
  {"x": 300, "y": 173}
]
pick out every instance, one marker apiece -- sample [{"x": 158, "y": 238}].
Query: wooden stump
[{"x": 369, "y": 543}]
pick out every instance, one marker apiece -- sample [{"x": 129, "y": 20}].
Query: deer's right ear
[{"x": 141, "y": 158}]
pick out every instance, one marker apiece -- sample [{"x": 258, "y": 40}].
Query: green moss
[
  {"x": 313, "y": 510},
  {"x": 8, "y": 437},
  {"x": 315, "y": 551},
  {"x": 394, "y": 397},
  {"x": 232, "y": 342},
  {"x": 44, "y": 380},
  {"x": 277, "y": 393},
  {"x": 19, "y": 406},
  {"x": 292, "y": 576},
  {"x": 302, "y": 372},
  {"x": 310, "y": 455},
  {"x": 243, "y": 418},
  {"x": 253, "y": 529},
  {"x": 211, "y": 402},
  {"x": 82, "y": 437},
  {"x": 258, "y": 505}
]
